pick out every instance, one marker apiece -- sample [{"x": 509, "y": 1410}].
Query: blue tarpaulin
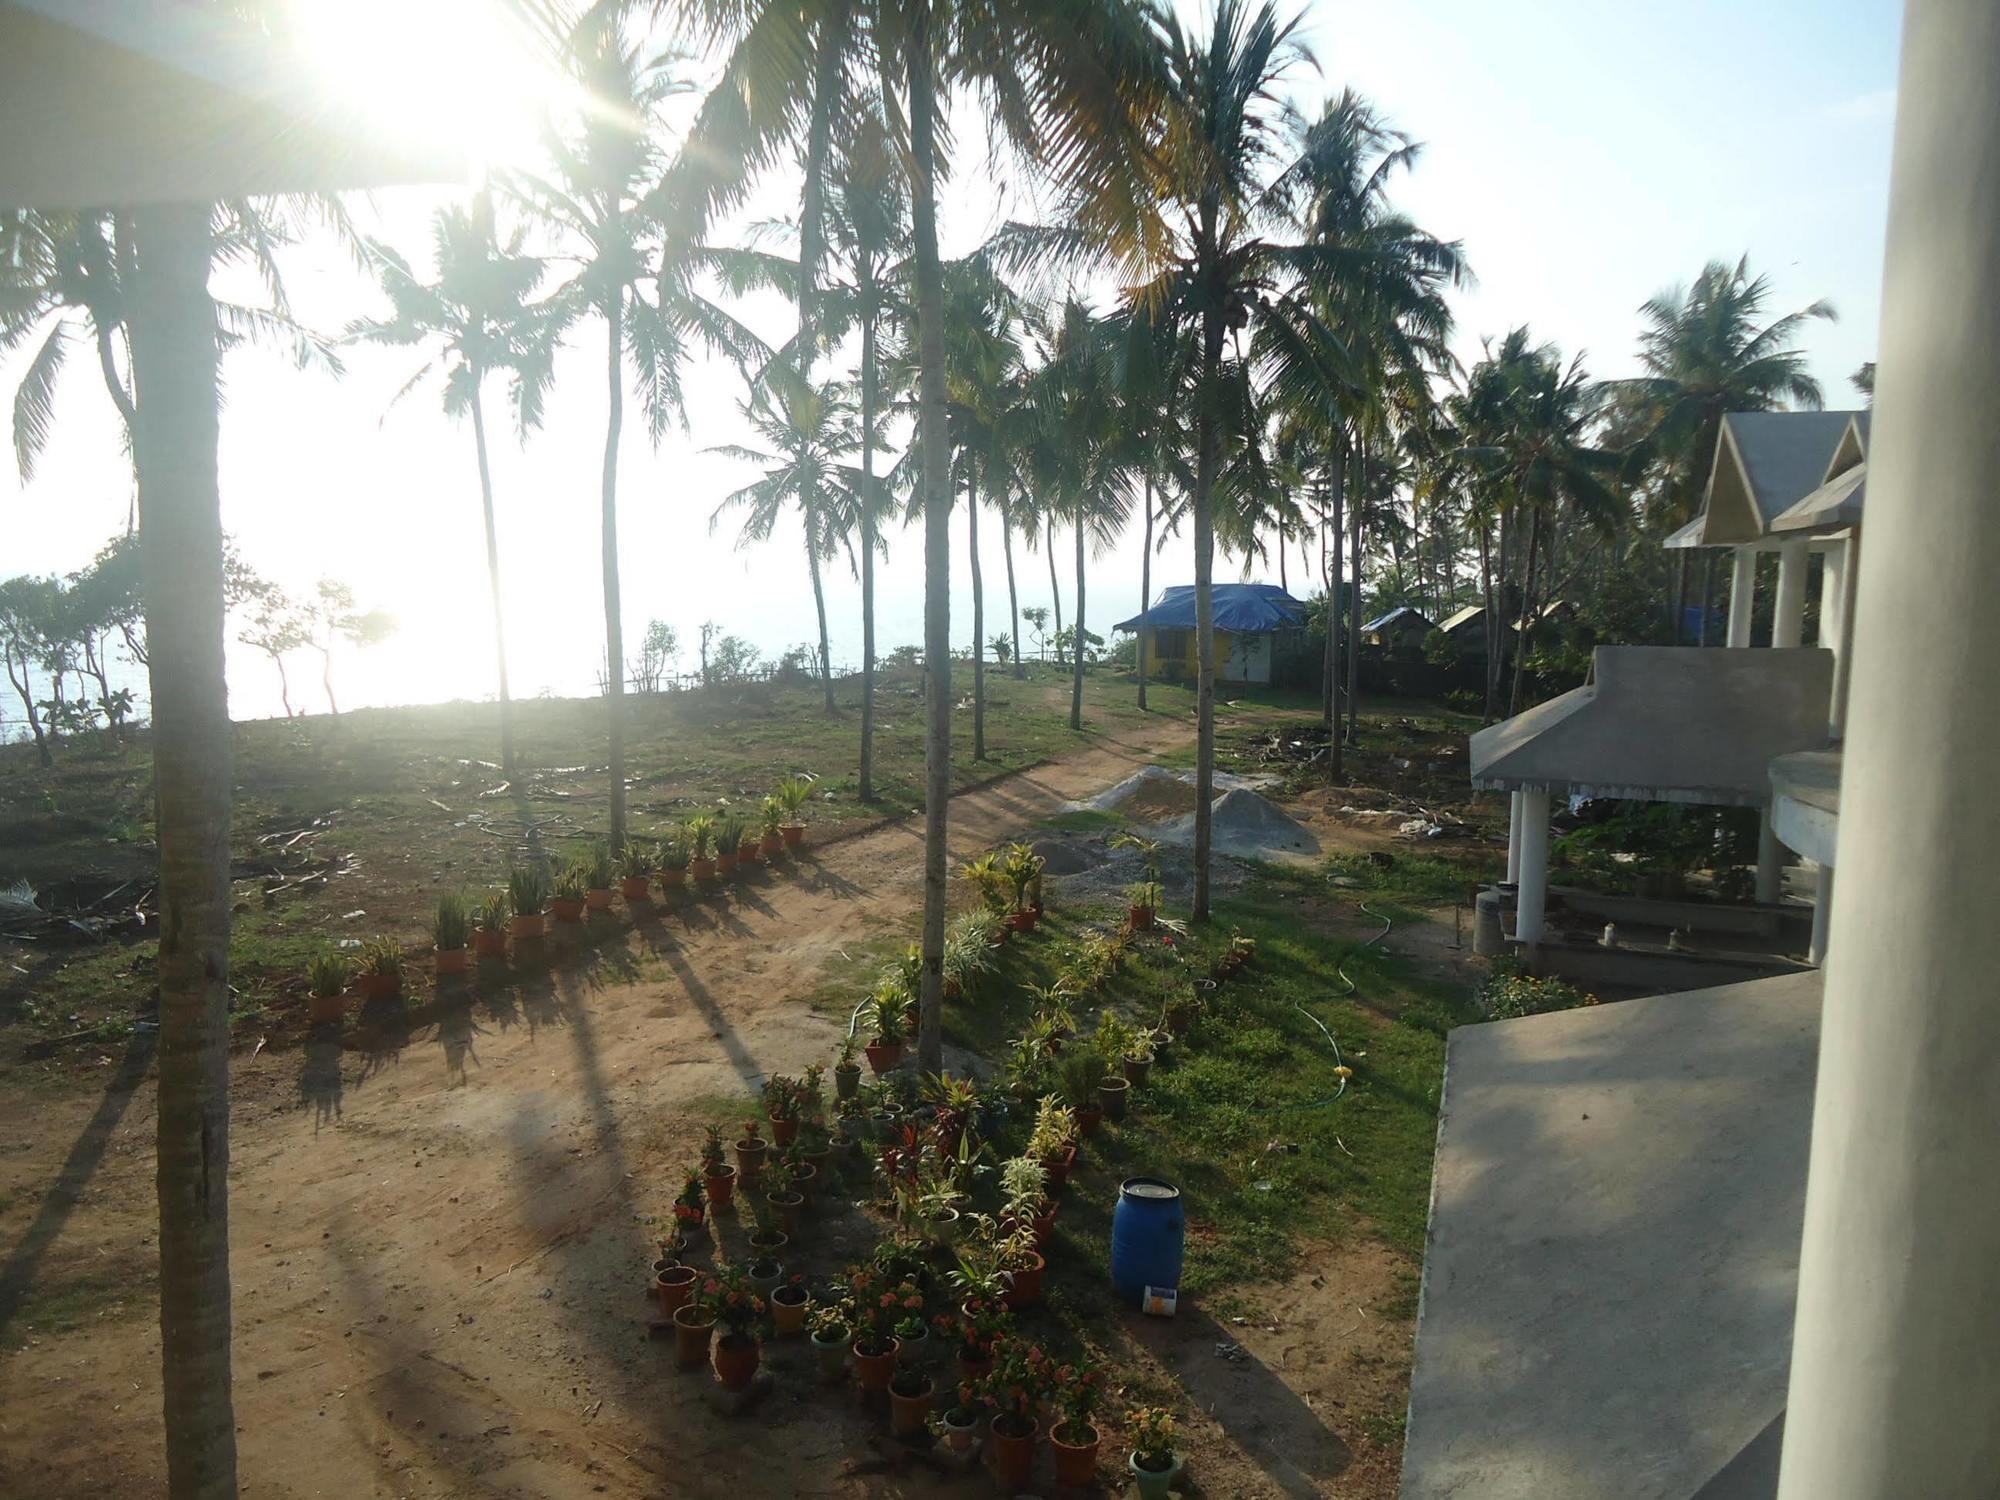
[{"x": 1241, "y": 608}]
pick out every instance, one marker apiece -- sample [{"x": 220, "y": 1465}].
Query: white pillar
[
  {"x": 1788, "y": 619},
  {"x": 1742, "y": 594},
  {"x": 1843, "y": 658},
  {"x": 1770, "y": 859},
  {"x": 1513, "y": 837},
  {"x": 1895, "y": 1367},
  {"x": 1833, "y": 564},
  {"x": 1822, "y": 922},
  {"x": 1534, "y": 872}
]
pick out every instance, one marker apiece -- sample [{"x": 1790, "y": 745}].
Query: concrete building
[
  {"x": 1253, "y": 621},
  {"x": 1653, "y": 1272}
]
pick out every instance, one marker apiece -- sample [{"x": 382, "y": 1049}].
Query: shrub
[
  {"x": 1508, "y": 994},
  {"x": 452, "y": 926}
]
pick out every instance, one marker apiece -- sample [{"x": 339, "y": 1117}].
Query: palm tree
[
  {"x": 1151, "y": 379},
  {"x": 808, "y": 431},
  {"x": 477, "y": 313},
  {"x": 601, "y": 197}
]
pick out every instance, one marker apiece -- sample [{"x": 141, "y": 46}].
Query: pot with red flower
[
  {"x": 737, "y": 1307},
  {"x": 879, "y": 1302},
  {"x": 790, "y": 1301},
  {"x": 784, "y": 1104},
  {"x": 1076, "y": 1390},
  {"x": 689, "y": 1204},
  {"x": 1015, "y": 1389}
]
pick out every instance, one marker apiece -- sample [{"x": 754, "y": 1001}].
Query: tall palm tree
[
  {"x": 808, "y": 432},
  {"x": 1151, "y": 380},
  {"x": 601, "y": 198},
  {"x": 477, "y": 313}
]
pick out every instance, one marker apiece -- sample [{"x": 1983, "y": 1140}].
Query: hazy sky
[{"x": 1587, "y": 154}]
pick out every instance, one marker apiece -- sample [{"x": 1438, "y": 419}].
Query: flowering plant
[
  {"x": 1017, "y": 1382},
  {"x": 728, "y": 1294},
  {"x": 1077, "y": 1390},
  {"x": 1152, "y": 1437},
  {"x": 688, "y": 1202},
  {"x": 712, "y": 1161},
  {"x": 832, "y": 1317}
]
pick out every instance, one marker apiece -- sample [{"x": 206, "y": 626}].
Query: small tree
[
  {"x": 1037, "y": 615},
  {"x": 331, "y": 618},
  {"x": 656, "y": 652},
  {"x": 28, "y": 620},
  {"x": 276, "y": 625}
]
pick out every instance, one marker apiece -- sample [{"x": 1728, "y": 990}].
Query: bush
[{"x": 1509, "y": 994}]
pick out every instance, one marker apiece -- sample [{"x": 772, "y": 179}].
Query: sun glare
[{"x": 462, "y": 74}]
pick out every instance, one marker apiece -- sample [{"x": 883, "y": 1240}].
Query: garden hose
[{"x": 1340, "y": 972}]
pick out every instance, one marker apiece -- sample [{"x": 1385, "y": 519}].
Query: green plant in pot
[
  {"x": 1015, "y": 1389},
  {"x": 635, "y": 870},
  {"x": 326, "y": 980},
  {"x": 451, "y": 930},
  {"x": 770, "y": 825},
  {"x": 749, "y": 846},
  {"x": 527, "y": 894},
  {"x": 738, "y": 1310},
  {"x": 379, "y": 968},
  {"x": 1078, "y": 1073},
  {"x": 1154, "y": 1462},
  {"x": 792, "y": 793},
  {"x": 968, "y": 956},
  {"x": 673, "y": 862},
  {"x": 846, "y": 1071},
  {"x": 1144, "y": 900},
  {"x": 1022, "y": 870},
  {"x": 489, "y": 939},
  {"x": 957, "y": 1426},
  {"x": 698, "y": 837},
  {"x": 728, "y": 839},
  {"x": 831, "y": 1325},
  {"x": 784, "y": 1106},
  {"x": 569, "y": 891},
  {"x": 889, "y": 1009},
  {"x": 1076, "y": 1391},
  {"x": 600, "y": 875}
]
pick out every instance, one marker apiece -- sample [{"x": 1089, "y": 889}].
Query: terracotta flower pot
[
  {"x": 452, "y": 960},
  {"x": 1137, "y": 1069},
  {"x": 321, "y": 1009},
  {"x": 882, "y": 1056},
  {"x": 693, "y": 1328},
  {"x": 910, "y": 1397},
  {"x": 1076, "y": 1462},
  {"x": 784, "y": 1132},
  {"x": 748, "y": 855},
  {"x": 725, "y": 865},
  {"x": 847, "y": 1081},
  {"x": 794, "y": 834},
  {"x": 530, "y": 925},
  {"x": 674, "y": 1286},
  {"x": 767, "y": 1244},
  {"x": 750, "y": 1158},
  {"x": 566, "y": 911},
  {"x": 789, "y": 1317},
  {"x": 720, "y": 1185},
  {"x": 735, "y": 1358},
  {"x": 1142, "y": 918},
  {"x": 489, "y": 943},
  {"x": 805, "y": 1178},
  {"x": 597, "y": 900},
  {"x": 379, "y": 986},
  {"x": 1013, "y": 1450},
  {"x": 1025, "y": 1288},
  {"x": 873, "y": 1372},
  {"x": 635, "y": 888},
  {"x": 1045, "y": 1225},
  {"x": 973, "y": 1368},
  {"x": 702, "y": 869},
  {"x": 1111, "y": 1096},
  {"x": 1058, "y": 1168},
  {"x": 1089, "y": 1118},
  {"x": 1023, "y": 920},
  {"x": 771, "y": 845},
  {"x": 787, "y": 1206},
  {"x": 673, "y": 880}
]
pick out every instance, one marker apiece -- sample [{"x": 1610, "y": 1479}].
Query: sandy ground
[{"x": 438, "y": 1241}]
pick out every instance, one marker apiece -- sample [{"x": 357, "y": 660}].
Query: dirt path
[{"x": 438, "y": 1241}]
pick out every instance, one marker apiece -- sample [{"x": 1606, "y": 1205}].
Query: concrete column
[
  {"x": 1832, "y": 587},
  {"x": 1534, "y": 871},
  {"x": 1770, "y": 859},
  {"x": 1742, "y": 594},
  {"x": 1513, "y": 837},
  {"x": 1843, "y": 660},
  {"x": 1788, "y": 620},
  {"x": 1822, "y": 922},
  {"x": 1895, "y": 1370}
]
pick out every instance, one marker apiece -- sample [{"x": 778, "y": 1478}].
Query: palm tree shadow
[
  {"x": 815, "y": 875},
  {"x": 739, "y": 1056},
  {"x": 319, "y": 1075}
]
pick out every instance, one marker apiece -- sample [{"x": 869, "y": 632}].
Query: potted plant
[
  {"x": 489, "y": 938},
  {"x": 1053, "y": 1140},
  {"x": 1154, "y": 1464},
  {"x": 527, "y": 894},
  {"x": 750, "y": 1152},
  {"x": 846, "y": 1071},
  {"x": 968, "y": 957},
  {"x": 698, "y": 838},
  {"x": 750, "y": 850},
  {"x": 783, "y": 1100},
  {"x": 1144, "y": 899},
  {"x": 599, "y": 875},
  {"x": 979, "y": 1280},
  {"x": 1076, "y": 1391},
  {"x": 766, "y": 1273},
  {"x": 1078, "y": 1074},
  {"x": 688, "y": 1203},
  {"x": 728, "y": 839},
  {"x": 451, "y": 930},
  {"x": 569, "y": 891},
  {"x": 891, "y": 1009},
  {"x": 1138, "y": 1062},
  {"x": 783, "y": 1196},
  {"x": 380, "y": 969},
  {"x": 875, "y": 1312},
  {"x": 1113, "y": 1091},
  {"x": 770, "y": 821},
  {"x": 718, "y": 1178},
  {"x": 910, "y": 1393},
  {"x": 957, "y": 1426},
  {"x": 694, "y": 1330},
  {"x": 1015, "y": 1390},
  {"x": 1145, "y": 896},
  {"x": 635, "y": 871},
  {"x": 832, "y": 1323},
  {"x": 791, "y": 794},
  {"x": 737, "y": 1307},
  {"x": 1022, "y": 868},
  {"x": 326, "y": 979},
  {"x": 790, "y": 1301},
  {"x": 673, "y": 1285},
  {"x": 1021, "y": 1254},
  {"x": 670, "y": 861}
]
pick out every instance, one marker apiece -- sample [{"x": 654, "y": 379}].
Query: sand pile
[{"x": 1242, "y": 822}]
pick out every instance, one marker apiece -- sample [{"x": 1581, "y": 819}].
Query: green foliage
[
  {"x": 598, "y": 868},
  {"x": 494, "y": 911},
  {"x": 572, "y": 882},
  {"x": 527, "y": 890},
  {"x": 327, "y": 973},
  {"x": 1507, "y": 993},
  {"x": 451, "y": 927},
  {"x": 381, "y": 955}
]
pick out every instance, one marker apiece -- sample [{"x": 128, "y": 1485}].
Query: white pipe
[
  {"x": 1895, "y": 1367},
  {"x": 1843, "y": 660},
  {"x": 1770, "y": 859},
  {"x": 1534, "y": 872},
  {"x": 1788, "y": 621},
  {"x": 1822, "y": 917},
  {"x": 1513, "y": 838},
  {"x": 1742, "y": 594}
]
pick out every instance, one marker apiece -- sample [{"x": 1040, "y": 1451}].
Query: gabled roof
[
  {"x": 1765, "y": 462},
  {"x": 1464, "y": 616},
  {"x": 1240, "y": 608},
  {"x": 1382, "y": 622}
]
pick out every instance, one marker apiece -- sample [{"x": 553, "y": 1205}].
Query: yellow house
[{"x": 1250, "y": 620}]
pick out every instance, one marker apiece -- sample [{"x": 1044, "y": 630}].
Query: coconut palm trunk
[
  {"x": 493, "y": 580},
  {"x": 936, "y": 482},
  {"x": 1208, "y": 459},
  {"x": 1055, "y": 588},
  {"x": 1354, "y": 514},
  {"x": 174, "y": 369},
  {"x": 1527, "y": 613},
  {"x": 1145, "y": 592},
  {"x": 1335, "y": 751},
  {"x": 1076, "y": 676},
  {"x": 978, "y": 614},
  {"x": 866, "y": 789},
  {"x": 1020, "y": 662},
  {"x": 819, "y": 605},
  {"x": 614, "y": 631}
]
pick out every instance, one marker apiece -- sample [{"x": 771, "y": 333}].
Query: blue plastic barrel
[{"x": 1148, "y": 1235}]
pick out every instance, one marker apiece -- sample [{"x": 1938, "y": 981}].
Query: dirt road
[{"x": 438, "y": 1241}]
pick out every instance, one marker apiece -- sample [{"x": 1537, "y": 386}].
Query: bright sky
[{"x": 1587, "y": 154}]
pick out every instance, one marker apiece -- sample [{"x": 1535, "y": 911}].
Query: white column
[
  {"x": 1843, "y": 660},
  {"x": 1895, "y": 1366},
  {"x": 1832, "y": 587},
  {"x": 1742, "y": 594},
  {"x": 1770, "y": 859},
  {"x": 1513, "y": 837},
  {"x": 1534, "y": 872},
  {"x": 1788, "y": 619},
  {"x": 1822, "y": 922}
]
